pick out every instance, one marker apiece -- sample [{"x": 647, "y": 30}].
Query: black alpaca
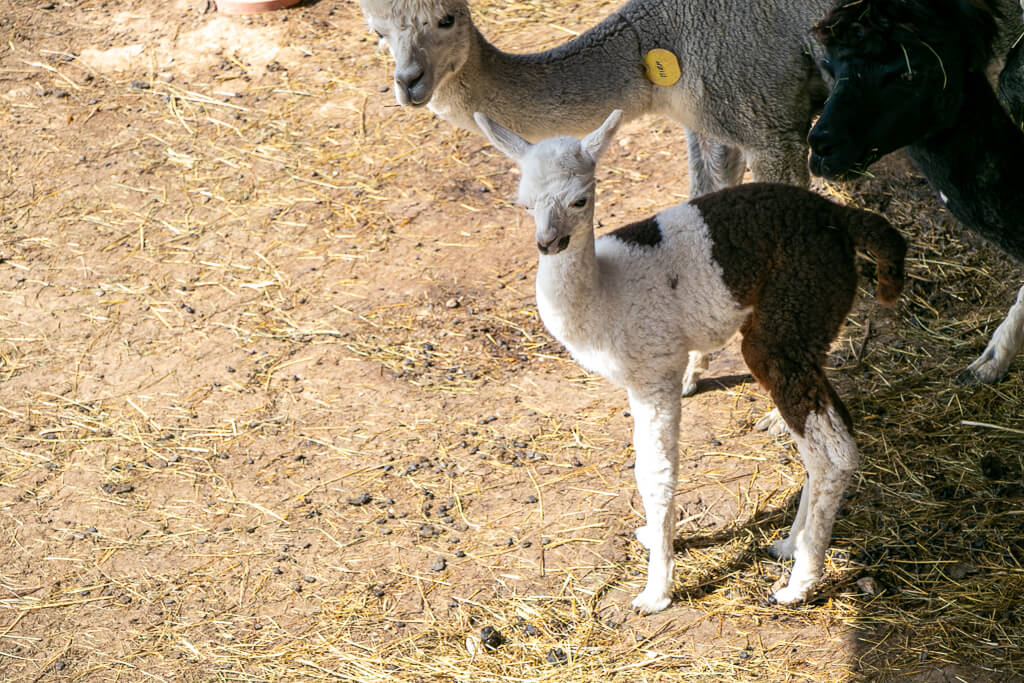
[{"x": 911, "y": 73}]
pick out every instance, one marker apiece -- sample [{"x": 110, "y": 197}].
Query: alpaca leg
[
  {"x": 695, "y": 369},
  {"x": 784, "y": 164},
  {"x": 783, "y": 548},
  {"x": 1005, "y": 344},
  {"x": 655, "y": 438},
  {"x": 772, "y": 423},
  {"x": 713, "y": 165},
  {"x": 820, "y": 426},
  {"x": 830, "y": 455}
]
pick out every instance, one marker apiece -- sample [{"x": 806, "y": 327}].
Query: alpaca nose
[
  {"x": 553, "y": 245},
  {"x": 408, "y": 79},
  {"x": 820, "y": 140}
]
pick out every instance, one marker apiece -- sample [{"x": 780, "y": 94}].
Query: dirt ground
[{"x": 275, "y": 402}]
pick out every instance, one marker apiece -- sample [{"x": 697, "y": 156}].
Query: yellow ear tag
[{"x": 662, "y": 67}]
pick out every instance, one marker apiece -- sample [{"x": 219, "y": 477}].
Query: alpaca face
[
  {"x": 557, "y": 189},
  {"x": 429, "y": 40},
  {"x": 883, "y": 101},
  {"x": 557, "y": 184},
  {"x": 899, "y": 70}
]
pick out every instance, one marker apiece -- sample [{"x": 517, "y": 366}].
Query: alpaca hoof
[
  {"x": 782, "y": 549},
  {"x": 791, "y": 594},
  {"x": 968, "y": 378},
  {"x": 651, "y": 601},
  {"x": 690, "y": 388},
  {"x": 773, "y": 424},
  {"x": 986, "y": 369},
  {"x": 646, "y": 536},
  {"x": 798, "y": 589}
]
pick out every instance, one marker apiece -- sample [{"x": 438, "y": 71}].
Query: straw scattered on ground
[{"x": 276, "y": 403}]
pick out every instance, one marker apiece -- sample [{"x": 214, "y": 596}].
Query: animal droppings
[
  {"x": 491, "y": 637},
  {"x": 361, "y": 499}
]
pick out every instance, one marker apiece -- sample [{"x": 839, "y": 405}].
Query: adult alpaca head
[
  {"x": 899, "y": 68},
  {"x": 429, "y": 39},
  {"x": 557, "y": 185}
]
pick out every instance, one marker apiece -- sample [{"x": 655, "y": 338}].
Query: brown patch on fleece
[
  {"x": 645, "y": 233},
  {"x": 789, "y": 254}
]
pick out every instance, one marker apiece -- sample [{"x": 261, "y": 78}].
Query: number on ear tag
[{"x": 662, "y": 67}]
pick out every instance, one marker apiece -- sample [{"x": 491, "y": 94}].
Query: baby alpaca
[{"x": 774, "y": 261}]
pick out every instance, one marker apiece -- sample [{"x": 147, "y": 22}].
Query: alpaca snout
[
  {"x": 412, "y": 85},
  {"x": 551, "y": 229},
  {"x": 553, "y": 245},
  {"x": 820, "y": 140},
  {"x": 830, "y": 156}
]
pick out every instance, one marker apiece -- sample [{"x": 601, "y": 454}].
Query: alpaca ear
[
  {"x": 507, "y": 142},
  {"x": 595, "y": 143}
]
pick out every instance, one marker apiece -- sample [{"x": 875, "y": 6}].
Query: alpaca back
[
  {"x": 663, "y": 278},
  {"x": 760, "y": 229}
]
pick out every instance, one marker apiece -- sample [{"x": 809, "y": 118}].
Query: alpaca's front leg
[
  {"x": 655, "y": 438},
  {"x": 1004, "y": 346},
  {"x": 772, "y": 423}
]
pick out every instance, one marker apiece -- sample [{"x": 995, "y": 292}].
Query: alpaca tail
[{"x": 875, "y": 234}]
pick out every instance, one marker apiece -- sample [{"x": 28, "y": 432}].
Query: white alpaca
[{"x": 774, "y": 261}]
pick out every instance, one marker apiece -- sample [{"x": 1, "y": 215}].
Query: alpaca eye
[
  {"x": 580, "y": 203},
  {"x": 447, "y": 21}
]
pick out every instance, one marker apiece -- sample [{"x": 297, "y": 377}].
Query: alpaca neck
[
  {"x": 976, "y": 165},
  {"x": 568, "y": 90},
  {"x": 568, "y": 289}
]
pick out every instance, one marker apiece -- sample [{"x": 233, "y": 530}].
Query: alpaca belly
[{"x": 708, "y": 338}]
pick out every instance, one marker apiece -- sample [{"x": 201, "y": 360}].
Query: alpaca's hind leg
[
  {"x": 713, "y": 165},
  {"x": 784, "y": 547},
  {"x": 655, "y": 438},
  {"x": 830, "y": 456},
  {"x": 820, "y": 426},
  {"x": 1004, "y": 346},
  {"x": 696, "y": 366}
]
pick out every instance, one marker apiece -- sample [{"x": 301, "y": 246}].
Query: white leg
[
  {"x": 655, "y": 438},
  {"x": 696, "y": 366},
  {"x": 1006, "y": 343},
  {"x": 772, "y": 423},
  {"x": 830, "y": 455},
  {"x": 783, "y": 548}
]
